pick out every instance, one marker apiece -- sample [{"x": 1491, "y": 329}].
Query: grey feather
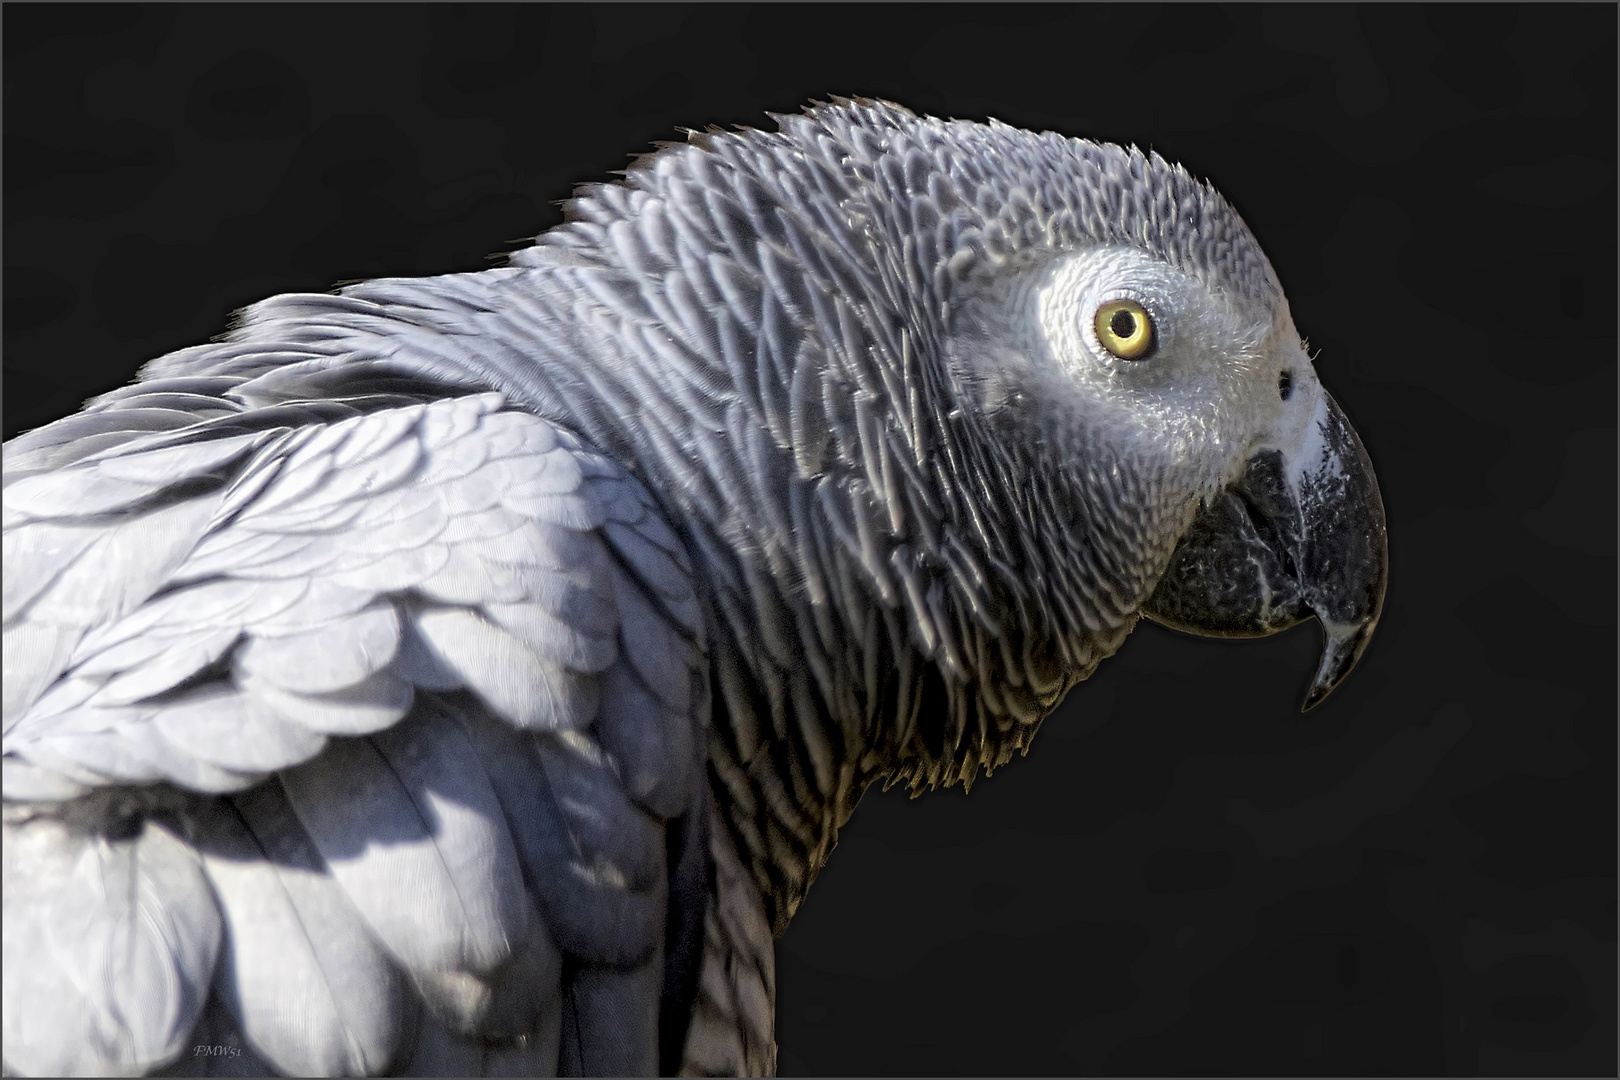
[
  {"x": 77, "y": 437},
  {"x": 81, "y": 492},
  {"x": 505, "y": 1003},
  {"x": 372, "y": 474},
  {"x": 327, "y": 658},
  {"x": 237, "y": 732},
  {"x": 506, "y": 674},
  {"x": 241, "y": 553},
  {"x": 592, "y": 859},
  {"x": 320, "y": 602},
  {"x": 161, "y": 467},
  {"x": 33, "y": 655},
  {"x": 419, "y": 665},
  {"x": 124, "y": 566},
  {"x": 473, "y": 573},
  {"x": 610, "y": 1020},
  {"x": 122, "y": 744},
  {"x": 397, "y": 570},
  {"x": 114, "y": 746},
  {"x": 438, "y": 1052},
  {"x": 652, "y": 745},
  {"x": 45, "y": 547},
  {"x": 660, "y": 655},
  {"x": 311, "y": 991},
  {"x": 553, "y": 639},
  {"x": 408, "y": 825},
  {"x": 159, "y": 624},
  {"x": 142, "y": 676},
  {"x": 109, "y": 947},
  {"x": 25, "y": 782},
  {"x": 367, "y": 706}
]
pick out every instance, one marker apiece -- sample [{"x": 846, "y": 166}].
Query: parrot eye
[
  {"x": 1125, "y": 329},
  {"x": 1285, "y": 385}
]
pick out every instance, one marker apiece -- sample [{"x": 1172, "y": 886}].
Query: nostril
[{"x": 1285, "y": 385}]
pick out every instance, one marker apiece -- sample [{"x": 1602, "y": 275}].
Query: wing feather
[
  {"x": 365, "y": 707},
  {"x": 407, "y": 823},
  {"x": 592, "y": 859},
  {"x": 311, "y": 990},
  {"x": 235, "y": 731},
  {"x": 148, "y": 666},
  {"x": 47, "y": 549},
  {"x": 338, "y": 654},
  {"x": 424, "y": 686},
  {"x": 109, "y": 946},
  {"x": 518, "y": 685}
]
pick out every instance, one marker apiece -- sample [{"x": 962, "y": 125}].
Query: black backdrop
[{"x": 1185, "y": 876}]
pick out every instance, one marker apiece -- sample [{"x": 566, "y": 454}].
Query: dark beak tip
[
  {"x": 1340, "y": 653},
  {"x": 1313, "y": 698}
]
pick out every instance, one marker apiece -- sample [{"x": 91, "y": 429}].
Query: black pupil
[
  {"x": 1123, "y": 324},
  {"x": 1285, "y": 385}
]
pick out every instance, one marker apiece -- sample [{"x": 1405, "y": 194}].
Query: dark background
[{"x": 1185, "y": 876}]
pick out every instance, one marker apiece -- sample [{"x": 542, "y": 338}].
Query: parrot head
[
  {"x": 1133, "y": 328},
  {"x": 1217, "y": 397}
]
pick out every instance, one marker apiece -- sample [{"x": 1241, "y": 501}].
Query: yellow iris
[{"x": 1125, "y": 329}]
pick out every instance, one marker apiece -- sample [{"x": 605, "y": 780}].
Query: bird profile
[{"x": 469, "y": 675}]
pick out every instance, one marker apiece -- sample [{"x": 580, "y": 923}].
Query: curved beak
[{"x": 1300, "y": 533}]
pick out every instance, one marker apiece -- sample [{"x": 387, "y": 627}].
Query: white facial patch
[
  {"x": 1189, "y": 402},
  {"x": 1315, "y": 455},
  {"x": 1066, "y": 302},
  {"x": 1299, "y": 431}
]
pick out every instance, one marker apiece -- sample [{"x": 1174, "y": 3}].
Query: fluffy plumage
[{"x": 473, "y": 672}]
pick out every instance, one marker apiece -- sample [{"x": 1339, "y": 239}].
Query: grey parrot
[{"x": 471, "y": 674}]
